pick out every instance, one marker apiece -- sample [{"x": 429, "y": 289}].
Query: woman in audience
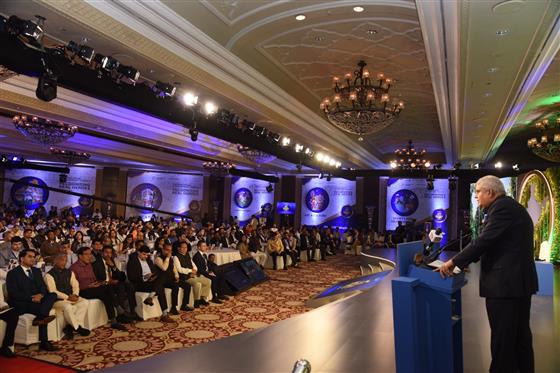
[{"x": 78, "y": 241}]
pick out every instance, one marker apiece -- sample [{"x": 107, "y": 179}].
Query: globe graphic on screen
[
  {"x": 85, "y": 202},
  {"x": 243, "y": 198},
  {"x": 29, "y": 196},
  {"x": 404, "y": 202},
  {"x": 439, "y": 215},
  {"x": 146, "y": 195},
  {"x": 317, "y": 200},
  {"x": 347, "y": 211}
]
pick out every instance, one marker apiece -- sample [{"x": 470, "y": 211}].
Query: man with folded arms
[
  {"x": 91, "y": 288},
  {"x": 142, "y": 274},
  {"x": 28, "y": 294},
  {"x": 63, "y": 283},
  {"x": 188, "y": 277}
]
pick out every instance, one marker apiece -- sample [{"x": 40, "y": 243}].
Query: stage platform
[{"x": 352, "y": 335}]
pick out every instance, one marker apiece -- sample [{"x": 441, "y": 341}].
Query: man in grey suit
[
  {"x": 508, "y": 276},
  {"x": 12, "y": 252}
]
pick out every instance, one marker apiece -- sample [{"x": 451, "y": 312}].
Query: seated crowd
[{"x": 56, "y": 261}]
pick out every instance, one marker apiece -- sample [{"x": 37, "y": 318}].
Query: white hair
[{"x": 491, "y": 183}]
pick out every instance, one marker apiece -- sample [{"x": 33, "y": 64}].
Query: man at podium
[{"x": 508, "y": 276}]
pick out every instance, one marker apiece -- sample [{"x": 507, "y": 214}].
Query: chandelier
[
  {"x": 547, "y": 146},
  {"x": 43, "y": 131},
  {"x": 361, "y": 105},
  {"x": 255, "y": 155},
  {"x": 69, "y": 156},
  {"x": 218, "y": 168},
  {"x": 409, "y": 158}
]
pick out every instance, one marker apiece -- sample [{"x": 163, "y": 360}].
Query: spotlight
[
  {"x": 15, "y": 158},
  {"x": 298, "y": 148},
  {"x": 190, "y": 99},
  {"x": 109, "y": 63},
  {"x": 269, "y": 188},
  {"x": 210, "y": 108},
  {"x": 62, "y": 178},
  {"x": 274, "y": 137},
  {"x": 194, "y": 134},
  {"x": 307, "y": 151},
  {"x": 286, "y": 141},
  {"x": 338, "y": 164},
  {"x": 86, "y": 53},
  {"x": 476, "y": 166},
  {"x": 393, "y": 164},
  {"x": 251, "y": 126},
  {"x": 326, "y": 159},
  {"x": 129, "y": 72},
  {"x": 332, "y": 162},
  {"x": 498, "y": 165},
  {"x": 427, "y": 164},
  {"x": 46, "y": 87},
  {"x": 515, "y": 167},
  {"x": 165, "y": 89},
  {"x": 26, "y": 30},
  {"x": 3, "y": 158}
]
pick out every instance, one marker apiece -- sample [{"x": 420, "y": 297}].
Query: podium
[{"x": 426, "y": 316}]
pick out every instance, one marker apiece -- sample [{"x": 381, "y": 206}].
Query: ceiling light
[
  {"x": 332, "y": 162},
  {"x": 492, "y": 69},
  {"x": 190, "y": 99},
  {"x": 515, "y": 167},
  {"x": 338, "y": 164},
  {"x": 307, "y": 151},
  {"x": 298, "y": 148},
  {"x": 300, "y": 17},
  {"x": 319, "y": 157},
  {"x": 502, "y": 32},
  {"x": 286, "y": 141},
  {"x": 487, "y": 94},
  {"x": 372, "y": 31},
  {"x": 358, "y": 9},
  {"x": 498, "y": 165},
  {"x": 326, "y": 159},
  {"x": 476, "y": 166},
  {"x": 210, "y": 108}
]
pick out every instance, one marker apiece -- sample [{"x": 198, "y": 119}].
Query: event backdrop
[
  {"x": 79, "y": 180},
  {"x": 328, "y": 203},
  {"x": 249, "y": 197},
  {"x": 177, "y": 193},
  {"x": 409, "y": 199}
]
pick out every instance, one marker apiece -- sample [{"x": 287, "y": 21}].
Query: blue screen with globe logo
[
  {"x": 317, "y": 200},
  {"x": 404, "y": 202},
  {"x": 29, "y": 196},
  {"x": 243, "y": 198},
  {"x": 347, "y": 211},
  {"x": 146, "y": 195}
]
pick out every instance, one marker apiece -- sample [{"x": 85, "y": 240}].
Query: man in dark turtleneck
[{"x": 62, "y": 281}]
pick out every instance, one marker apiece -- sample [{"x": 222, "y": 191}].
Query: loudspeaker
[
  {"x": 46, "y": 88},
  {"x": 235, "y": 277},
  {"x": 252, "y": 270}
]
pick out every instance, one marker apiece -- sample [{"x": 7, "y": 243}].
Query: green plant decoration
[{"x": 553, "y": 176}]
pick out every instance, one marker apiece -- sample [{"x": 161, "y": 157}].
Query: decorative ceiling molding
[
  {"x": 233, "y": 3},
  {"x": 315, "y": 8},
  {"x": 550, "y": 49},
  {"x": 161, "y": 25},
  {"x": 439, "y": 20}
]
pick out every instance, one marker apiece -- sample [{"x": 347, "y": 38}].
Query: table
[{"x": 224, "y": 256}]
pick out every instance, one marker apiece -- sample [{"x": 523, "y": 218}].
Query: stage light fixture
[
  {"x": 129, "y": 72},
  {"x": 47, "y": 86},
  {"x": 210, "y": 108},
  {"x": 269, "y": 188},
  {"x": 307, "y": 151},
  {"x": 190, "y": 99},
  {"x": 27, "y": 30},
  {"x": 298, "y": 148},
  {"x": 319, "y": 157},
  {"x": 393, "y": 164},
  {"x": 165, "y": 89},
  {"x": 498, "y": 164},
  {"x": 3, "y": 158},
  {"x": 274, "y": 137},
  {"x": 194, "y": 134},
  {"x": 515, "y": 167},
  {"x": 106, "y": 63},
  {"x": 286, "y": 141}
]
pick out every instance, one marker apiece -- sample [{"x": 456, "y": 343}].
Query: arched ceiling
[{"x": 464, "y": 85}]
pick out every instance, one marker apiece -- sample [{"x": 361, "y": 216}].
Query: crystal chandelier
[
  {"x": 43, "y": 131},
  {"x": 69, "y": 156},
  {"x": 547, "y": 145},
  {"x": 409, "y": 158},
  {"x": 218, "y": 168},
  {"x": 361, "y": 105},
  {"x": 255, "y": 155}
]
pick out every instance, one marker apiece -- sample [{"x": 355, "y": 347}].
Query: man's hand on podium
[{"x": 446, "y": 269}]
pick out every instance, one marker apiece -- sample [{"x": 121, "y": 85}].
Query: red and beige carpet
[{"x": 281, "y": 297}]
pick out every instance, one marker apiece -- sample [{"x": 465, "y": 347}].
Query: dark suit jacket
[
  {"x": 505, "y": 249},
  {"x": 134, "y": 269},
  {"x": 99, "y": 271},
  {"x": 21, "y": 288},
  {"x": 201, "y": 264}
]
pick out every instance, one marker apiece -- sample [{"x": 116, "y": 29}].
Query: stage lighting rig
[
  {"x": 128, "y": 73},
  {"x": 84, "y": 52},
  {"x": 29, "y": 32},
  {"x": 164, "y": 89},
  {"x": 194, "y": 134},
  {"x": 105, "y": 63},
  {"x": 47, "y": 84}
]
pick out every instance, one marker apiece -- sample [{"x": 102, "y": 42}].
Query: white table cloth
[{"x": 224, "y": 256}]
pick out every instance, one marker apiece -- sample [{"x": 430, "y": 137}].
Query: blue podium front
[{"x": 426, "y": 316}]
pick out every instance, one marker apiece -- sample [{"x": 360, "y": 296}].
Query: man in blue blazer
[
  {"x": 508, "y": 277},
  {"x": 27, "y": 293}
]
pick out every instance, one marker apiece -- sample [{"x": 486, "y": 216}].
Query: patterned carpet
[{"x": 277, "y": 299}]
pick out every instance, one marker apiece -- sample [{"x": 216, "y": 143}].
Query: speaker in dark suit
[
  {"x": 508, "y": 275},
  {"x": 27, "y": 293}
]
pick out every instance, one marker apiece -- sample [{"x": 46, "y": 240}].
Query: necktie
[
  {"x": 30, "y": 274},
  {"x": 205, "y": 256}
]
